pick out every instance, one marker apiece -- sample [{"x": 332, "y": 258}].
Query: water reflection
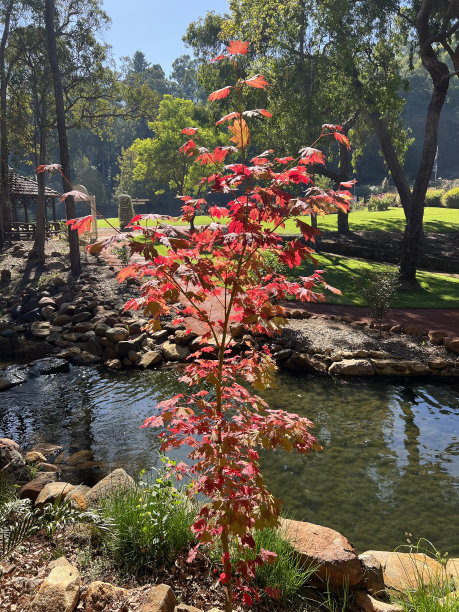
[{"x": 391, "y": 452}]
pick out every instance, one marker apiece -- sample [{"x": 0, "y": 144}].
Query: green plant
[
  {"x": 377, "y": 287},
  {"x": 433, "y": 197},
  {"x": 381, "y": 202},
  {"x": 337, "y": 600},
  {"x": 450, "y": 198},
  {"x": 151, "y": 523},
  {"x": 429, "y": 593},
  {"x": 123, "y": 253}
]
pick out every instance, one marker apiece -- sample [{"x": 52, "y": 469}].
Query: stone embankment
[
  {"x": 77, "y": 321},
  {"x": 370, "y": 576}
]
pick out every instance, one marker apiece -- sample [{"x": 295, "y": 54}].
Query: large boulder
[
  {"x": 31, "y": 490},
  {"x": 116, "y": 334},
  {"x": 12, "y": 465},
  {"x": 406, "y": 570},
  {"x": 373, "y": 577},
  {"x": 393, "y": 367},
  {"x": 150, "y": 359},
  {"x": 118, "y": 479},
  {"x": 363, "y": 602},
  {"x": 175, "y": 352},
  {"x": 351, "y": 367},
  {"x": 60, "y": 590},
  {"x": 334, "y": 556},
  {"x": 452, "y": 344},
  {"x": 80, "y": 457},
  {"x": 159, "y": 598},
  {"x": 306, "y": 363},
  {"x": 101, "y": 595},
  {"x": 52, "y": 492}
]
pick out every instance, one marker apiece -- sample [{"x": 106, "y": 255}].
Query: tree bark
[
  {"x": 39, "y": 244},
  {"x": 75, "y": 263},
  {"x": 5, "y": 206}
]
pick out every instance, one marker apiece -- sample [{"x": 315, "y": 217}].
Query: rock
[
  {"x": 396, "y": 329},
  {"x": 81, "y": 317},
  {"x": 373, "y": 578},
  {"x": 150, "y": 359},
  {"x": 413, "y": 330},
  {"x": 436, "y": 336},
  {"x": 175, "y": 352},
  {"x": 58, "y": 281},
  {"x": 80, "y": 457},
  {"x": 438, "y": 364},
  {"x": 13, "y": 466},
  {"x": 84, "y": 358},
  {"x": 62, "y": 319},
  {"x": 46, "y": 301},
  {"x": 47, "y": 467},
  {"x": 159, "y": 598},
  {"x": 124, "y": 347},
  {"x": 77, "y": 497},
  {"x": 48, "y": 450},
  {"x": 49, "y": 365},
  {"x": 160, "y": 335},
  {"x": 391, "y": 367},
  {"x": 52, "y": 492},
  {"x": 351, "y": 367},
  {"x": 47, "y": 312},
  {"x": 101, "y": 328},
  {"x": 60, "y": 590},
  {"x": 101, "y": 595},
  {"x": 32, "y": 489},
  {"x": 450, "y": 598},
  {"x": 337, "y": 559},
  {"x": 282, "y": 355},
  {"x": 363, "y": 602},
  {"x": 40, "y": 329},
  {"x": 116, "y": 334},
  {"x": 184, "y": 336},
  {"x": 113, "y": 364},
  {"x": 185, "y": 608},
  {"x": 405, "y": 570},
  {"x": 34, "y": 457},
  {"x": 118, "y": 479},
  {"x": 306, "y": 363},
  {"x": 452, "y": 569},
  {"x": 452, "y": 344},
  {"x": 134, "y": 356},
  {"x": 8, "y": 443}
]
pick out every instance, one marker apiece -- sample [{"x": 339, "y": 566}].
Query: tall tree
[{"x": 75, "y": 263}]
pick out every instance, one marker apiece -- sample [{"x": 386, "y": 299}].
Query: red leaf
[
  {"x": 283, "y": 160},
  {"x": 238, "y": 47},
  {"x": 257, "y": 81},
  {"x": 267, "y": 556},
  {"x": 348, "y": 184},
  {"x": 189, "y": 131},
  {"x": 218, "y": 212},
  {"x": 228, "y": 118},
  {"x": 311, "y": 156},
  {"x": 78, "y": 195},
  {"x": 218, "y": 58},
  {"x": 247, "y": 599},
  {"x": 332, "y": 127},
  {"x": 341, "y": 138},
  {"x": 82, "y": 224},
  {"x": 48, "y": 168},
  {"x": 188, "y": 146},
  {"x": 274, "y": 593},
  {"x": 220, "y": 93}
]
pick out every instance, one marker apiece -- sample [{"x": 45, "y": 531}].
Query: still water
[{"x": 390, "y": 463}]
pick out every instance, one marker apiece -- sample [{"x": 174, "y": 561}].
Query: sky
[{"x": 155, "y": 27}]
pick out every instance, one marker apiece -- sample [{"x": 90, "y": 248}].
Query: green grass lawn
[
  {"x": 392, "y": 220},
  {"x": 437, "y": 290}
]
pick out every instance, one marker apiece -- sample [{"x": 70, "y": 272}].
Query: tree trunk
[
  {"x": 39, "y": 245},
  {"x": 75, "y": 263},
  {"x": 5, "y": 205}
]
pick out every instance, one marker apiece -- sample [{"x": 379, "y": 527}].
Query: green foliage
[
  {"x": 450, "y": 199},
  {"x": 151, "y": 524},
  {"x": 433, "y": 197},
  {"x": 377, "y": 287},
  {"x": 381, "y": 202},
  {"x": 433, "y": 595},
  {"x": 123, "y": 253}
]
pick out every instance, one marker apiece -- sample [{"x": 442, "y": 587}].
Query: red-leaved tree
[{"x": 223, "y": 424}]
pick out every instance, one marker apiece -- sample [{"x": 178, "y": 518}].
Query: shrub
[
  {"x": 450, "y": 199},
  {"x": 150, "y": 524},
  {"x": 377, "y": 287},
  {"x": 381, "y": 202},
  {"x": 433, "y": 197}
]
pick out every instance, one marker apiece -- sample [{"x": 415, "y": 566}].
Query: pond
[{"x": 390, "y": 463}]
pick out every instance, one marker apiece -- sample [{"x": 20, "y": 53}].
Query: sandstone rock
[
  {"x": 404, "y": 570},
  {"x": 124, "y": 347},
  {"x": 351, "y": 367},
  {"x": 438, "y": 364},
  {"x": 32, "y": 489},
  {"x": 363, "y": 602},
  {"x": 116, "y": 334},
  {"x": 52, "y": 492},
  {"x": 48, "y": 312},
  {"x": 175, "y": 352},
  {"x": 413, "y": 330},
  {"x": 134, "y": 356},
  {"x": 13, "y": 466},
  {"x": 8, "y": 443},
  {"x": 40, "y": 329},
  {"x": 47, "y": 467},
  {"x": 373, "y": 578},
  {"x": 359, "y": 354},
  {"x": 58, "y": 281},
  {"x": 396, "y": 329},
  {"x": 159, "y": 598},
  {"x": 436, "y": 336},
  {"x": 118, "y": 479},
  {"x": 160, "y": 335},
  {"x": 184, "y": 336},
  {"x": 452, "y": 569},
  {"x": 452, "y": 344},
  {"x": 150, "y": 359},
  {"x": 113, "y": 364},
  {"x": 81, "y": 317},
  {"x": 185, "y": 608},
  {"x": 77, "y": 497},
  {"x": 80, "y": 457},
  {"x": 306, "y": 363},
  {"x": 101, "y": 595},
  {"x": 62, "y": 319},
  {"x": 337, "y": 559},
  {"x": 101, "y": 328},
  {"x": 60, "y": 590},
  {"x": 450, "y": 599},
  {"x": 46, "y": 301},
  {"x": 48, "y": 450}
]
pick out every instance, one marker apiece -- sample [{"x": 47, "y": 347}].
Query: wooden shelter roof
[{"x": 24, "y": 187}]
